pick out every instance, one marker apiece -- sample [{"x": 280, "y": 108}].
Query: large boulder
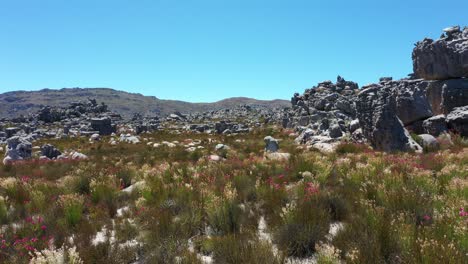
[
  {"x": 11, "y": 131},
  {"x": 50, "y": 151},
  {"x": 376, "y": 110},
  {"x": 411, "y": 101},
  {"x": 458, "y": 120},
  {"x": 49, "y": 115},
  {"x": 271, "y": 144},
  {"x": 444, "y": 96},
  {"x": 103, "y": 125},
  {"x": 429, "y": 142},
  {"x": 435, "y": 125},
  {"x": 444, "y": 58},
  {"x": 18, "y": 148}
]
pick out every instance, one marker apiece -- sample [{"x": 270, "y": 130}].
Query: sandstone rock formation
[
  {"x": 271, "y": 144},
  {"x": 50, "y": 151},
  {"x": 18, "y": 148},
  {"x": 102, "y": 125},
  {"x": 388, "y": 111},
  {"x": 444, "y": 58},
  {"x": 377, "y": 108},
  {"x": 458, "y": 120}
]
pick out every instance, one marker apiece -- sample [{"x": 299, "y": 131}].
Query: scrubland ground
[{"x": 140, "y": 204}]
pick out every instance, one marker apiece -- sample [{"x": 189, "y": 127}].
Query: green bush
[
  {"x": 303, "y": 227},
  {"x": 226, "y": 219}
]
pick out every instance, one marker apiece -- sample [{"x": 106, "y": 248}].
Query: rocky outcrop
[
  {"x": 458, "y": 120},
  {"x": 50, "y": 151},
  {"x": 271, "y": 144},
  {"x": 435, "y": 125},
  {"x": 102, "y": 125},
  {"x": 444, "y": 96},
  {"x": 323, "y": 112},
  {"x": 18, "y": 148},
  {"x": 442, "y": 59},
  {"x": 377, "y": 108},
  {"x": 411, "y": 101}
]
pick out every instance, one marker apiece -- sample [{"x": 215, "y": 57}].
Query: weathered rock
[
  {"x": 411, "y": 102},
  {"x": 11, "y": 131},
  {"x": 50, "y": 151},
  {"x": 458, "y": 120},
  {"x": 127, "y": 138},
  {"x": 429, "y": 142},
  {"x": 77, "y": 155},
  {"x": 277, "y": 156},
  {"x": 50, "y": 115},
  {"x": 335, "y": 131},
  {"x": 444, "y": 96},
  {"x": 271, "y": 144},
  {"x": 354, "y": 125},
  {"x": 214, "y": 158},
  {"x": 221, "y": 147},
  {"x": 435, "y": 125},
  {"x": 385, "y": 79},
  {"x": 376, "y": 108},
  {"x": 18, "y": 148},
  {"x": 444, "y": 58},
  {"x": 103, "y": 125},
  {"x": 94, "y": 137}
]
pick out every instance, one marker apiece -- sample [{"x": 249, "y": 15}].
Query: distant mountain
[{"x": 24, "y": 102}]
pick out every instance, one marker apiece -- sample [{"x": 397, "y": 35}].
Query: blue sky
[{"x": 207, "y": 50}]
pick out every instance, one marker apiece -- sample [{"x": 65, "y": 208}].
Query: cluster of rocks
[
  {"x": 49, "y": 114},
  {"x": 239, "y": 119},
  {"x": 324, "y": 114},
  {"x": 20, "y": 148},
  {"x": 442, "y": 59},
  {"x": 431, "y": 102}
]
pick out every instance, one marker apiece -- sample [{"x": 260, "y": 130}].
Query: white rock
[
  {"x": 277, "y": 156},
  {"x": 94, "y": 137},
  {"x": 191, "y": 149},
  {"x": 214, "y": 158},
  {"x": 221, "y": 147},
  {"x": 77, "y": 155}
]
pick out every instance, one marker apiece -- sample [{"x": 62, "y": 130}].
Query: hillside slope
[{"x": 23, "y": 102}]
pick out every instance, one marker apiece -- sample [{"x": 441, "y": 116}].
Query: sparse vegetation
[{"x": 134, "y": 202}]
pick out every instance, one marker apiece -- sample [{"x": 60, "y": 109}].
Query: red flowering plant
[{"x": 28, "y": 236}]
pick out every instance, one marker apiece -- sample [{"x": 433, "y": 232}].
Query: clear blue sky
[{"x": 206, "y": 50}]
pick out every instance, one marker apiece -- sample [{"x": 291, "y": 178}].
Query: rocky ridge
[{"x": 432, "y": 101}]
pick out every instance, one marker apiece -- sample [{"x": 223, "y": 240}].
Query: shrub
[
  {"x": 72, "y": 206},
  {"x": 103, "y": 191},
  {"x": 303, "y": 227},
  {"x": 347, "y": 147},
  {"x": 370, "y": 234},
  {"x": 3, "y": 211},
  {"x": 235, "y": 249},
  {"x": 245, "y": 187},
  {"x": 226, "y": 219}
]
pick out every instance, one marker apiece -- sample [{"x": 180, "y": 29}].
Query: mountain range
[{"x": 17, "y": 103}]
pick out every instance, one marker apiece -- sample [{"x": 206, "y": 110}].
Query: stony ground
[{"x": 187, "y": 199}]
